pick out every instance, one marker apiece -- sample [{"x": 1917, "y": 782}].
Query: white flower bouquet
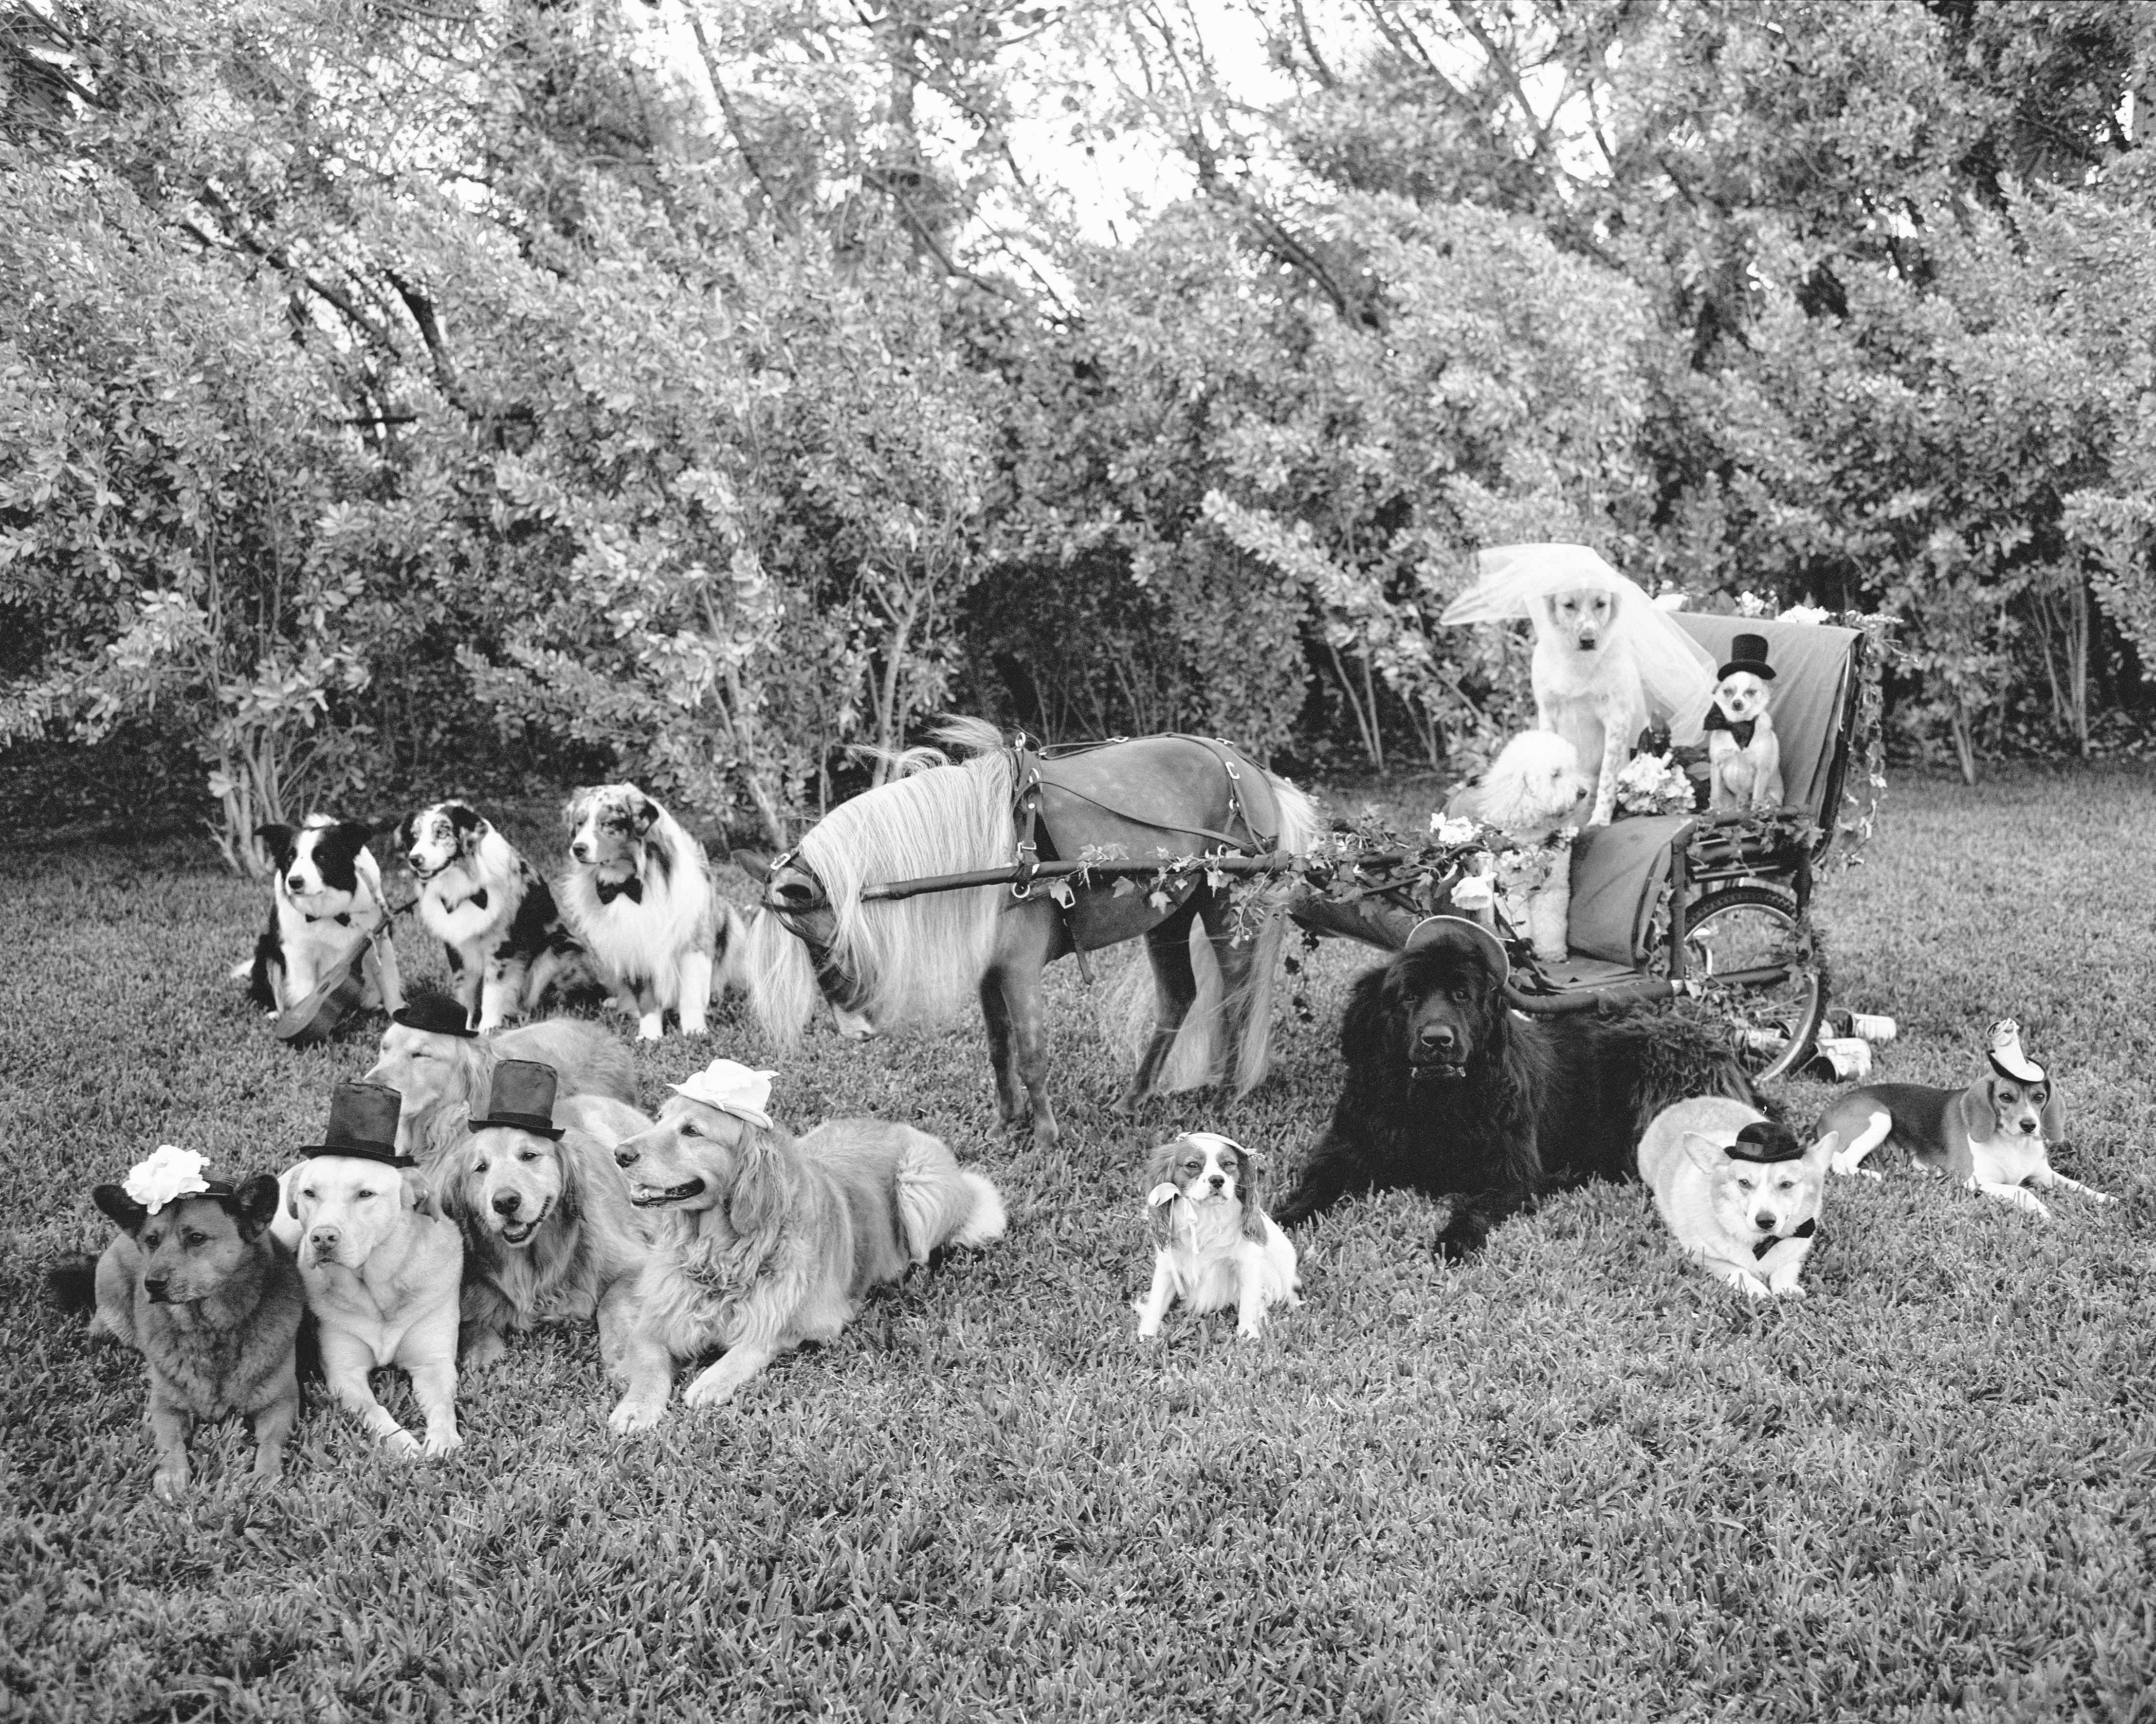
[{"x": 1653, "y": 784}]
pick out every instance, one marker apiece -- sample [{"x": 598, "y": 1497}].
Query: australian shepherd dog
[
  {"x": 765, "y": 1241},
  {"x": 638, "y": 895},
  {"x": 505, "y": 941},
  {"x": 550, "y": 1234},
  {"x": 1451, "y": 1093},
  {"x": 325, "y": 897}
]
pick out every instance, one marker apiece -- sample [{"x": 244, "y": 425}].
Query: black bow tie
[
  {"x": 476, "y": 901},
  {"x": 1717, "y": 720},
  {"x": 1774, "y": 1239},
  {"x": 631, "y": 889}
]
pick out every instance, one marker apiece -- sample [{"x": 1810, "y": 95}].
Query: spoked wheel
[{"x": 1744, "y": 928}]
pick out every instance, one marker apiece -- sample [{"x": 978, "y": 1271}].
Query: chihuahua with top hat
[{"x": 1743, "y": 757}]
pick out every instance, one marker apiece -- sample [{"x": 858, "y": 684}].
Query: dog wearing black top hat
[
  {"x": 1743, "y": 758},
  {"x": 1739, "y": 1192},
  {"x": 381, "y": 1263},
  {"x": 197, "y": 1286},
  {"x": 550, "y": 1233}
]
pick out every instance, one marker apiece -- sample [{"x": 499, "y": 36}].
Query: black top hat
[
  {"x": 437, "y": 1015},
  {"x": 363, "y": 1124},
  {"x": 522, "y": 1098},
  {"x": 1748, "y": 652},
  {"x": 1766, "y": 1141}
]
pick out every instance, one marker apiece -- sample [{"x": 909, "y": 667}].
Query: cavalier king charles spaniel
[{"x": 1216, "y": 1247}]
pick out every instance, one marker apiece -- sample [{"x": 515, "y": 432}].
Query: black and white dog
[
  {"x": 495, "y": 917},
  {"x": 326, "y": 897},
  {"x": 638, "y": 895}
]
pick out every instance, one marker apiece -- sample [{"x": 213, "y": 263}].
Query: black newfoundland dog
[{"x": 1450, "y": 1093}]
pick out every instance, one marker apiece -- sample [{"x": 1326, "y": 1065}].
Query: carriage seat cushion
[{"x": 1620, "y": 873}]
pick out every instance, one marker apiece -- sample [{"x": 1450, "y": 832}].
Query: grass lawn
[{"x": 1573, "y": 1479}]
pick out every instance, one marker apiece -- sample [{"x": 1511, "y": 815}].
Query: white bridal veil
[{"x": 1677, "y": 672}]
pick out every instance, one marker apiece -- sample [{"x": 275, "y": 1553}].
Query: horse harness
[{"x": 1030, "y": 761}]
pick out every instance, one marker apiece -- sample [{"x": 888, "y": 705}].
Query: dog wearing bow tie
[
  {"x": 1744, "y": 755},
  {"x": 1737, "y": 1190},
  {"x": 638, "y": 895},
  {"x": 505, "y": 941}
]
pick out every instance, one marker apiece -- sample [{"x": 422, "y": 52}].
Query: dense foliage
[{"x": 709, "y": 388}]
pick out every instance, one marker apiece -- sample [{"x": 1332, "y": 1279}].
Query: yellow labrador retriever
[{"x": 381, "y": 1265}]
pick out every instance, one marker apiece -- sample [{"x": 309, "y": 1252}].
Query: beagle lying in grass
[{"x": 1995, "y": 1136}]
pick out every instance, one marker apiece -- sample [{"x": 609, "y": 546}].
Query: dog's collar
[
  {"x": 1807, "y": 1231},
  {"x": 1741, "y": 733},
  {"x": 631, "y": 889}
]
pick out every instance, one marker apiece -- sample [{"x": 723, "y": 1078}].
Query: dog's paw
[
  {"x": 171, "y": 1483},
  {"x": 1250, "y": 1332},
  {"x": 403, "y": 1443},
  {"x": 1792, "y": 1291},
  {"x": 700, "y": 1394},
  {"x": 447, "y": 1443},
  {"x": 484, "y": 1353},
  {"x": 630, "y": 1416}
]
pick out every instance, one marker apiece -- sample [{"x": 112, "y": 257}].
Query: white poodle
[{"x": 1531, "y": 794}]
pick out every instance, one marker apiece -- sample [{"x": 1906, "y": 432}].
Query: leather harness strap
[{"x": 1028, "y": 760}]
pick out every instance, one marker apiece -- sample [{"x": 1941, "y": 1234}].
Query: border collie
[
  {"x": 638, "y": 895},
  {"x": 505, "y": 941},
  {"x": 326, "y": 896}
]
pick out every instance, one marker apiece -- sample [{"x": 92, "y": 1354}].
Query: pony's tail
[
  {"x": 781, "y": 980},
  {"x": 1300, "y": 829},
  {"x": 1194, "y": 1059}
]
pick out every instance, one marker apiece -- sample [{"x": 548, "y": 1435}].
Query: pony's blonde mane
[{"x": 914, "y": 959}]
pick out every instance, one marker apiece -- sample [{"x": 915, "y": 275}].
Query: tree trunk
[
  {"x": 1964, "y": 742},
  {"x": 1367, "y": 723}
]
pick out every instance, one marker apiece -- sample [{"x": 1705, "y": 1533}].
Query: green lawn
[{"x": 1573, "y": 1479}]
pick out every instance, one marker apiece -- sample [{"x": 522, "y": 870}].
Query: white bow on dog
[{"x": 733, "y": 1088}]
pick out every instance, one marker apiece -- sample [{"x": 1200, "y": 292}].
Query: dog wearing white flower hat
[
  {"x": 196, "y": 1285},
  {"x": 1994, "y": 1137},
  {"x": 765, "y": 1240}
]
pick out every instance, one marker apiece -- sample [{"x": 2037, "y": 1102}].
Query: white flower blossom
[
  {"x": 1450, "y": 830},
  {"x": 1478, "y": 891},
  {"x": 169, "y": 1175},
  {"x": 1750, "y": 604},
  {"x": 1806, "y": 613}
]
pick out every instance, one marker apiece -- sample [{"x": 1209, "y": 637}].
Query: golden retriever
[
  {"x": 443, "y": 1075},
  {"x": 767, "y": 1241},
  {"x": 550, "y": 1234}
]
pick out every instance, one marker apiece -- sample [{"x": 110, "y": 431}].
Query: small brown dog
[{"x": 197, "y": 1286}]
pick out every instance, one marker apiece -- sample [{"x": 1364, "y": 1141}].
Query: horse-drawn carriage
[
  {"x": 963, "y": 881},
  {"x": 1665, "y": 906}
]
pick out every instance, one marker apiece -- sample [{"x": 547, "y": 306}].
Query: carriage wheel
[{"x": 1742, "y": 928}]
